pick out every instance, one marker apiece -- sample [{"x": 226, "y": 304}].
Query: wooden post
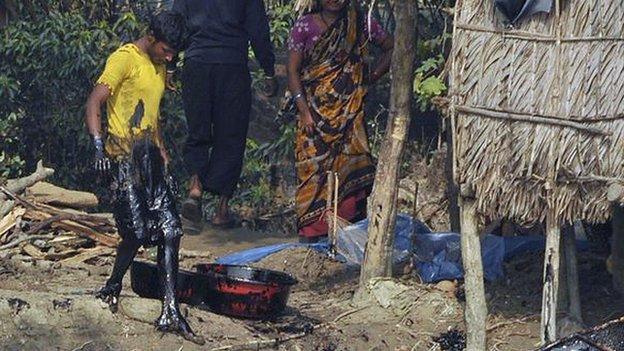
[
  {"x": 378, "y": 254},
  {"x": 572, "y": 280},
  {"x": 615, "y": 263},
  {"x": 476, "y": 308},
  {"x": 550, "y": 280}
]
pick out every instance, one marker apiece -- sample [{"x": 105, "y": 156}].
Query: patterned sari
[{"x": 333, "y": 80}]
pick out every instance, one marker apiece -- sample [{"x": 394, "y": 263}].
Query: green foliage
[
  {"x": 426, "y": 84},
  {"x": 283, "y": 148},
  {"x": 10, "y": 160},
  {"x": 281, "y": 18},
  {"x": 48, "y": 68},
  {"x": 255, "y": 190}
]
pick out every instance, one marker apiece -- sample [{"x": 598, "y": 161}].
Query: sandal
[{"x": 191, "y": 209}]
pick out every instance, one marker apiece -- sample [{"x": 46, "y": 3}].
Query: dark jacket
[{"x": 221, "y": 30}]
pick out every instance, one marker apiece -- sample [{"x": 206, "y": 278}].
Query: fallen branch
[
  {"x": 59, "y": 218},
  {"x": 16, "y": 186},
  {"x": 26, "y": 238}
]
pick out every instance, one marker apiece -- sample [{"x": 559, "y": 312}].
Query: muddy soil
[{"x": 48, "y": 306}]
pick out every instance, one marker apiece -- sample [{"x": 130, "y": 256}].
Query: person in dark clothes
[
  {"x": 216, "y": 92},
  {"x": 133, "y": 153}
]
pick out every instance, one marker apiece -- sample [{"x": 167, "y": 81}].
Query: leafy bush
[{"x": 49, "y": 66}]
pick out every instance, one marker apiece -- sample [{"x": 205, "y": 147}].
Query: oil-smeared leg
[
  {"x": 126, "y": 251},
  {"x": 171, "y": 319}
]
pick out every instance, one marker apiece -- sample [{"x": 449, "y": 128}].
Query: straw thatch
[{"x": 537, "y": 110}]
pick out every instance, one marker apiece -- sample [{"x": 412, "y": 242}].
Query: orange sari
[{"x": 333, "y": 80}]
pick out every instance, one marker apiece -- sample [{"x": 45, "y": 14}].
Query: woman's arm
[
  {"x": 383, "y": 63},
  {"x": 296, "y": 89}
]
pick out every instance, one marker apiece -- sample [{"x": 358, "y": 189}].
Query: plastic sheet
[
  {"x": 438, "y": 256},
  {"x": 352, "y": 239},
  {"x": 257, "y": 254},
  {"x": 515, "y": 10}
]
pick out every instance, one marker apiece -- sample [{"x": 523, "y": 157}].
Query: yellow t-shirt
[{"x": 136, "y": 85}]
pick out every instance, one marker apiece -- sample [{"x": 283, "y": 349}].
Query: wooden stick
[
  {"x": 335, "y": 221},
  {"x": 444, "y": 102},
  {"x": 476, "y": 307},
  {"x": 520, "y": 117},
  {"x": 26, "y": 238},
  {"x": 551, "y": 280},
  {"x": 415, "y": 206},
  {"x": 57, "y": 218},
  {"x": 528, "y": 36}
]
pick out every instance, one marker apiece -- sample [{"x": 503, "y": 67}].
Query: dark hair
[{"x": 170, "y": 28}]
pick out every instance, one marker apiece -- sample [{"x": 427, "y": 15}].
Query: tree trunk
[{"x": 378, "y": 257}]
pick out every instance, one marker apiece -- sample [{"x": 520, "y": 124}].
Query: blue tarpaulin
[{"x": 437, "y": 256}]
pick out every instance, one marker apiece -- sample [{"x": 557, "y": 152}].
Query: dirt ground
[{"x": 47, "y": 306}]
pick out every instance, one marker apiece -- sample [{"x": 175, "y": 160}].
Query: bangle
[
  {"x": 171, "y": 71},
  {"x": 298, "y": 96}
]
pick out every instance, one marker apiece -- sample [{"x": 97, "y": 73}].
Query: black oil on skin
[{"x": 146, "y": 215}]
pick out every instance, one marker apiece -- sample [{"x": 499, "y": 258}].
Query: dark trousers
[{"x": 217, "y": 103}]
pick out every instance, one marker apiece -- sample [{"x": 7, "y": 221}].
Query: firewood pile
[{"x": 47, "y": 222}]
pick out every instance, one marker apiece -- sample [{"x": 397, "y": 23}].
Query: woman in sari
[{"x": 327, "y": 79}]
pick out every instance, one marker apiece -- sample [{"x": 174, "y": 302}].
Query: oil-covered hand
[{"x": 102, "y": 163}]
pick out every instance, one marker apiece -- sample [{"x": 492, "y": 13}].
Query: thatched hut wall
[{"x": 537, "y": 110}]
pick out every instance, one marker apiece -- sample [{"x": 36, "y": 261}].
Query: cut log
[
  {"x": 550, "y": 280},
  {"x": 33, "y": 252},
  {"x": 85, "y": 255},
  {"x": 16, "y": 186},
  {"x": 47, "y": 193},
  {"x": 8, "y": 222},
  {"x": 81, "y": 229},
  {"x": 61, "y": 255},
  {"x": 476, "y": 307}
]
